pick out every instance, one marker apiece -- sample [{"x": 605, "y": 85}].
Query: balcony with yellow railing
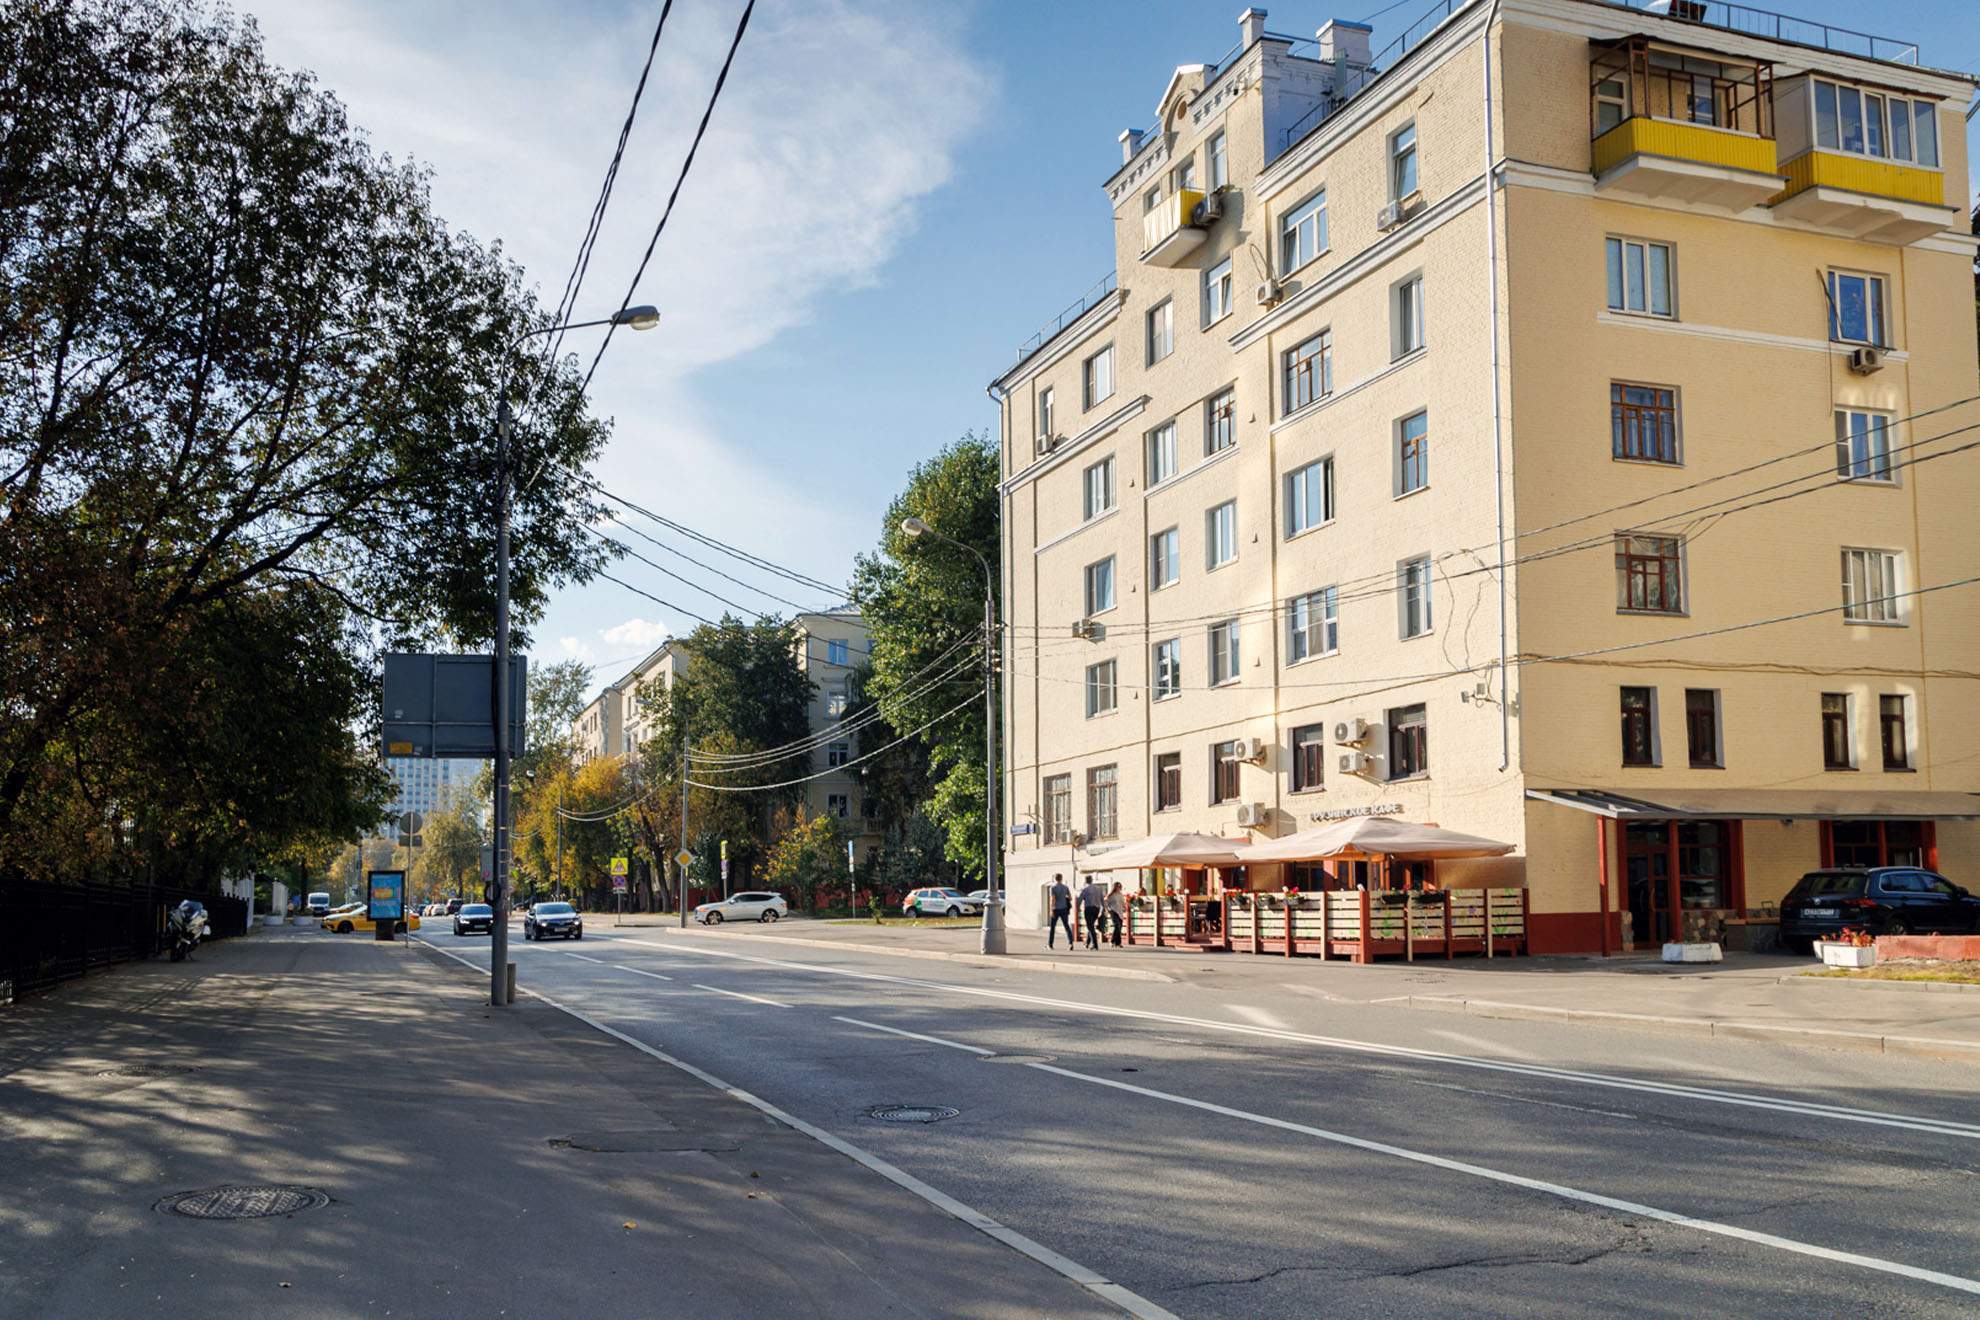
[
  {"x": 1665, "y": 160},
  {"x": 1879, "y": 200},
  {"x": 1167, "y": 234}
]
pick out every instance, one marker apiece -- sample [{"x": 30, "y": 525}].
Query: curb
[
  {"x": 1817, "y": 1037},
  {"x": 1929, "y": 987},
  {"x": 971, "y": 959}
]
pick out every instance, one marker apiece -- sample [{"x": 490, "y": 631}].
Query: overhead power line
[
  {"x": 806, "y": 779},
  {"x": 714, "y": 543}
]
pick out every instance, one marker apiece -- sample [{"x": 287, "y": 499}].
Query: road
[{"x": 1235, "y": 1145}]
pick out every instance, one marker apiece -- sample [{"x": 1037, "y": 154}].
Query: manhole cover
[
  {"x": 912, "y": 1113},
  {"x": 249, "y": 1202},
  {"x": 1019, "y": 1058},
  {"x": 149, "y": 1070}
]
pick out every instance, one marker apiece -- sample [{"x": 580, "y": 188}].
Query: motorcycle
[{"x": 185, "y": 927}]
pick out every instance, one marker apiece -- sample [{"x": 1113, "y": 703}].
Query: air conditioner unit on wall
[
  {"x": 1269, "y": 293},
  {"x": 1252, "y": 813},
  {"x": 1864, "y": 361},
  {"x": 1389, "y": 216},
  {"x": 1355, "y": 763},
  {"x": 1252, "y": 750},
  {"x": 1351, "y": 731},
  {"x": 1086, "y": 628},
  {"x": 1047, "y": 443},
  {"x": 1208, "y": 211}
]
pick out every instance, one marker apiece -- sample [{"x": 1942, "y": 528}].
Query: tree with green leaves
[
  {"x": 447, "y": 863},
  {"x": 923, "y": 601},
  {"x": 807, "y": 859}
]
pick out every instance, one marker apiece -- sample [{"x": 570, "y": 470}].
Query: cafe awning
[
  {"x": 1165, "y": 850},
  {"x": 1764, "y": 804},
  {"x": 1372, "y": 836}
]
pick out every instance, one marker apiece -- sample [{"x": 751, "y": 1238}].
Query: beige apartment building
[{"x": 1546, "y": 428}]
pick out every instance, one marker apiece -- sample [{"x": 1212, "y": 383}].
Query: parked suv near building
[{"x": 1885, "y": 900}]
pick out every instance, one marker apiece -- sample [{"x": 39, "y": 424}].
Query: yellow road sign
[
  {"x": 620, "y": 866},
  {"x": 683, "y": 857}
]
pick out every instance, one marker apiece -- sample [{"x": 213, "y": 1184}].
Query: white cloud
[
  {"x": 641, "y": 634},
  {"x": 576, "y": 648}
]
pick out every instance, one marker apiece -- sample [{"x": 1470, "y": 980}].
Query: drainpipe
[
  {"x": 995, "y": 794},
  {"x": 1498, "y": 416}
]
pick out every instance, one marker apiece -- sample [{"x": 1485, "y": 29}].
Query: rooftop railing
[
  {"x": 1080, "y": 306},
  {"x": 1778, "y": 27}
]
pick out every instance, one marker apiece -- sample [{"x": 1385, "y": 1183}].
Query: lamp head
[
  {"x": 639, "y": 318},
  {"x": 915, "y": 527}
]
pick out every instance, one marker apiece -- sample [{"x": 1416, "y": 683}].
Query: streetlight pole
[
  {"x": 993, "y": 906},
  {"x": 638, "y": 318}
]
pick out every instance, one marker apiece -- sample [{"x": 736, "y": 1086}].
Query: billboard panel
[{"x": 444, "y": 705}]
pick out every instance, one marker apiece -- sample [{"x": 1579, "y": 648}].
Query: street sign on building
[{"x": 444, "y": 705}]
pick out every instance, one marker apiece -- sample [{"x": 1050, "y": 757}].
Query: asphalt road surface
[{"x": 1237, "y": 1144}]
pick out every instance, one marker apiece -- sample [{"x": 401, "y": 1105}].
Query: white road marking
[
  {"x": 1525, "y": 1100},
  {"x": 915, "y": 1035},
  {"x": 1676, "y": 1090},
  {"x": 737, "y": 994},
  {"x": 658, "y": 976},
  {"x": 568, "y": 954},
  {"x": 1094, "y": 1282},
  {"x": 1636, "y": 1208}
]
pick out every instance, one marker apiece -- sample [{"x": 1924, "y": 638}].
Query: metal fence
[{"x": 51, "y": 933}]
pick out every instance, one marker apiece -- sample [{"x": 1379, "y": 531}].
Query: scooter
[{"x": 185, "y": 927}]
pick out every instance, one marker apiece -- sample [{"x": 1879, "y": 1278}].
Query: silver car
[{"x": 758, "y": 905}]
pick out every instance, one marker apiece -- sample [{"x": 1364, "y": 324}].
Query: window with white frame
[
  {"x": 1057, "y": 798},
  {"x": 1871, "y": 586},
  {"x": 1167, "y": 668},
  {"x": 1100, "y": 587},
  {"x": 1402, "y": 162},
  {"x": 1102, "y": 688},
  {"x": 1152, "y": 198},
  {"x": 1303, "y": 233},
  {"x": 1309, "y": 496},
  {"x": 1876, "y": 124},
  {"x": 1220, "y": 167},
  {"x": 1045, "y": 431},
  {"x": 1103, "y": 787},
  {"x": 837, "y": 754},
  {"x": 1097, "y": 376},
  {"x": 1406, "y": 316},
  {"x": 837, "y": 697},
  {"x": 1309, "y": 371},
  {"x": 1220, "y": 421},
  {"x": 1164, "y": 559},
  {"x": 836, "y": 651},
  {"x": 1220, "y": 534},
  {"x": 1863, "y": 446},
  {"x": 1163, "y": 458},
  {"x": 1313, "y": 625},
  {"x": 1413, "y": 596},
  {"x": 1224, "y": 652},
  {"x": 1217, "y": 302},
  {"x": 1640, "y": 277},
  {"x": 1099, "y": 488},
  {"x": 1186, "y": 174},
  {"x": 1412, "y": 454},
  {"x": 1856, "y": 308},
  {"x": 838, "y": 805},
  {"x": 1161, "y": 330}
]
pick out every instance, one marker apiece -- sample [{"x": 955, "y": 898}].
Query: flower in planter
[{"x": 1853, "y": 936}]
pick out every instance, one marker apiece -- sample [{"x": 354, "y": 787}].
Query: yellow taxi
[{"x": 356, "y": 916}]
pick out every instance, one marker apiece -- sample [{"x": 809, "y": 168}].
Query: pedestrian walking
[
  {"x": 1091, "y": 899},
  {"x": 1061, "y": 914},
  {"x": 1116, "y": 911}
]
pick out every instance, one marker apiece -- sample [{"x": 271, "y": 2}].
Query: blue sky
[{"x": 892, "y": 197}]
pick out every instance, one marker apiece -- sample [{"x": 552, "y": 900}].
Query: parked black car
[
  {"x": 1884, "y": 900},
  {"x": 474, "y": 919},
  {"x": 546, "y": 919},
  {"x": 453, "y": 906}
]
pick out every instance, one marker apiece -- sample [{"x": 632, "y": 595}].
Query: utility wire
[
  {"x": 806, "y": 779},
  {"x": 714, "y": 543}
]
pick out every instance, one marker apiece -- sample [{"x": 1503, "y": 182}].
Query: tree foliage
[{"x": 808, "y": 857}]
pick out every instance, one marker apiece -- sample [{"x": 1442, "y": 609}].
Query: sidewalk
[{"x": 476, "y": 1163}]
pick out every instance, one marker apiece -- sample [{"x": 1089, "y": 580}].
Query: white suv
[
  {"x": 940, "y": 903},
  {"x": 756, "y": 906}
]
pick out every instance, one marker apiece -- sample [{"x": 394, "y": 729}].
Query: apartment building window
[
  {"x": 1164, "y": 559},
  {"x": 1875, "y": 124},
  {"x": 1097, "y": 375},
  {"x": 1152, "y": 198},
  {"x": 1218, "y": 157},
  {"x": 1058, "y": 808},
  {"x": 1099, "y": 488},
  {"x": 1161, "y": 330},
  {"x": 1409, "y": 742},
  {"x": 1162, "y": 457},
  {"x": 1649, "y": 574},
  {"x": 1102, "y": 688},
  {"x": 1406, "y": 317},
  {"x": 1217, "y": 303},
  {"x": 1836, "y": 750},
  {"x": 1309, "y": 758},
  {"x": 1309, "y": 371},
  {"x": 1103, "y": 787},
  {"x": 1863, "y": 446},
  {"x": 1856, "y": 308},
  {"x": 1224, "y": 653},
  {"x": 1168, "y": 669},
  {"x": 838, "y": 805},
  {"x": 1313, "y": 625},
  {"x": 1309, "y": 496},
  {"x": 1893, "y": 734},
  {"x": 1168, "y": 781},
  {"x": 1100, "y": 587},
  {"x": 1303, "y": 233},
  {"x": 1413, "y": 596},
  {"x": 836, "y": 651},
  {"x": 1611, "y": 104},
  {"x": 1643, "y": 422},
  {"x": 1045, "y": 431},
  {"x": 1186, "y": 175},
  {"x": 1220, "y": 534},
  {"x": 1224, "y": 771},
  {"x": 1220, "y": 421},
  {"x": 1639, "y": 726},
  {"x": 1640, "y": 277},
  {"x": 1412, "y": 454},
  {"x": 837, "y": 754},
  {"x": 1701, "y": 728},
  {"x": 1870, "y": 587},
  {"x": 1402, "y": 162},
  {"x": 837, "y": 698}
]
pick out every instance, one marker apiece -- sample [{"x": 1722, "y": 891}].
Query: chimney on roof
[
  {"x": 1130, "y": 143},
  {"x": 1341, "y": 39},
  {"x": 1251, "y": 23}
]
